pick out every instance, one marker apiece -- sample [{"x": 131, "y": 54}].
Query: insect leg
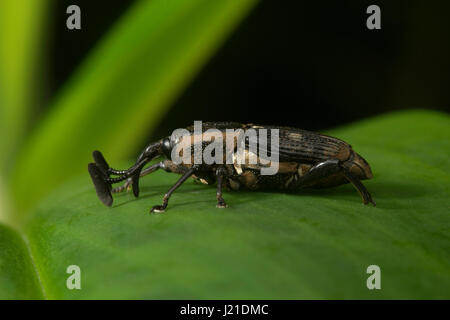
[
  {"x": 220, "y": 202},
  {"x": 321, "y": 170},
  {"x": 359, "y": 186},
  {"x": 186, "y": 175},
  {"x": 329, "y": 167}
]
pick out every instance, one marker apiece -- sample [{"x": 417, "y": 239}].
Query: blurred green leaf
[
  {"x": 123, "y": 88},
  {"x": 22, "y": 26},
  {"x": 315, "y": 244},
  {"x": 18, "y": 278}
]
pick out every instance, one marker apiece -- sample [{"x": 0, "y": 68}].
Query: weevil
[{"x": 305, "y": 160}]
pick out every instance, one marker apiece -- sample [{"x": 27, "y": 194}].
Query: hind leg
[
  {"x": 330, "y": 167},
  {"x": 365, "y": 194}
]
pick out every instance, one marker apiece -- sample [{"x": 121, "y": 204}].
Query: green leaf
[
  {"x": 315, "y": 244},
  {"x": 22, "y": 26},
  {"x": 122, "y": 89},
  {"x": 18, "y": 278}
]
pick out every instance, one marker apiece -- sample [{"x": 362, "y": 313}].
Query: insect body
[{"x": 305, "y": 160}]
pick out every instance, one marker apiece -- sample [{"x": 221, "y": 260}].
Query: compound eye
[{"x": 166, "y": 148}]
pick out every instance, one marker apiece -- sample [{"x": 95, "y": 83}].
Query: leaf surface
[
  {"x": 18, "y": 278},
  {"x": 310, "y": 245}
]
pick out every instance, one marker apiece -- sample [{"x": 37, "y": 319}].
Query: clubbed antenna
[
  {"x": 102, "y": 187},
  {"x": 101, "y": 172},
  {"x": 101, "y": 162}
]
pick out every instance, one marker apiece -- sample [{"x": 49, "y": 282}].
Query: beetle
[{"x": 305, "y": 160}]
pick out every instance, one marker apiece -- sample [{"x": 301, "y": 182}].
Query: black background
[{"x": 309, "y": 64}]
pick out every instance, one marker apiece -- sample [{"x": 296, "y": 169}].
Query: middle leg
[
  {"x": 220, "y": 202},
  {"x": 186, "y": 175}
]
